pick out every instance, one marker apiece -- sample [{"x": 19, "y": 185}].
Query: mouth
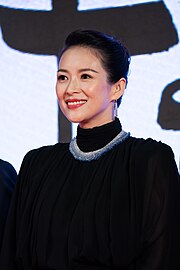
[{"x": 72, "y": 104}]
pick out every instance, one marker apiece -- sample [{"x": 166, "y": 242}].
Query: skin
[{"x": 84, "y": 94}]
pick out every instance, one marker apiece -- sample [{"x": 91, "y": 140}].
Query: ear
[{"x": 118, "y": 89}]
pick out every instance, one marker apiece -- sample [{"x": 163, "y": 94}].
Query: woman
[{"x": 106, "y": 200}]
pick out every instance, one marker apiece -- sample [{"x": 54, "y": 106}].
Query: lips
[{"x": 74, "y": 103}]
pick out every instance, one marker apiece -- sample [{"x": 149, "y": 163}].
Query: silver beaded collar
[{"x": 88, "y": 156}]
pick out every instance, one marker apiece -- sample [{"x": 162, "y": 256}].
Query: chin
[{"x": 74, "y": 119}]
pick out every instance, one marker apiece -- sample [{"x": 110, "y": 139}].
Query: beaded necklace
[{"x": 93, "y": 155}]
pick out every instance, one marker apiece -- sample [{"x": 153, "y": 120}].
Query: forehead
[{"x": 80, "y": 55}]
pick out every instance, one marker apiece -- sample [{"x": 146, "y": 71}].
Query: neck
[{"x": 91, "y": 139}]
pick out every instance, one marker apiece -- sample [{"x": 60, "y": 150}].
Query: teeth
[{"x": 76, "y": 102}]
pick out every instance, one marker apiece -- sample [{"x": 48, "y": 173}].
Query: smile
[{"x": 76, "y": 102}]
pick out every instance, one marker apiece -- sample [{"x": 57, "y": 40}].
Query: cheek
[
  {"x": 59, "y": 91},
  {"x": 59, "y": 94},
  {"x": 92, "y": 89},
  {"x": 56, "y": 87},
  {"x": 101, "y": 91},
  {"x": 60, "y": 102}
]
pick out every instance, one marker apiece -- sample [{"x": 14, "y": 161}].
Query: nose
[{"x": 73, "y": 86}]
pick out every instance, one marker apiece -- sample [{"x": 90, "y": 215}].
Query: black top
[
  {"x": 119, "y": 211},
  {"x": 7, "y": 182}
]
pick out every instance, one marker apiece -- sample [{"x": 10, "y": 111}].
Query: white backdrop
[{"x": 28, "y": 105}]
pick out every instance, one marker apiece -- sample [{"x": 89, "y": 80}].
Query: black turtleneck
[{"x": 95, "y": 138}]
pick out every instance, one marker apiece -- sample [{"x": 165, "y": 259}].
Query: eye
[
  {"x": 85, "y": 76},
  {"x": 62, "y": 77}
]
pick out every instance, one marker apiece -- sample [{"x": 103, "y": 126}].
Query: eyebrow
[{"x": 81, "y": 70}]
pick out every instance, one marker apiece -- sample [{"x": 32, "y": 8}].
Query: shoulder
[
  {"x": 153, "y": 170},
  {"x": 7, "y": 173},
  {"x": 150, "y": 149},
  {"x": 151, "y": 159},
  {"x": 44, "y": 153},
  {"x": 43, "y": 156},
  {"x": 39, "y": 162},
  {"x": 6, "y": 167},
  {"x": 47, "y": 149}
]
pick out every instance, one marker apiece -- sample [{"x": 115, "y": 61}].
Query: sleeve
[
  {"x": 9, "y": 243},
  {"x": 161, "y": 222}
]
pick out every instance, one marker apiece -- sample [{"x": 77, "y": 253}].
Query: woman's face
[{"x": 82, "y": 88}]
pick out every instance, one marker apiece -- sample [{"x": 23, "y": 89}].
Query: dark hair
[{"x": 114, "y": 56}]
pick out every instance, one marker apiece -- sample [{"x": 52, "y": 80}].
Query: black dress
[{"x": 116, "y": 209}]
